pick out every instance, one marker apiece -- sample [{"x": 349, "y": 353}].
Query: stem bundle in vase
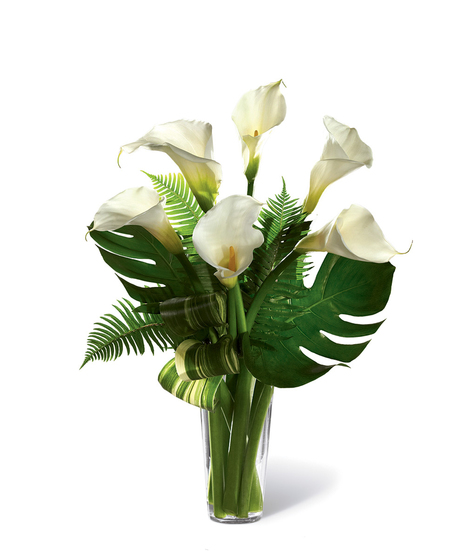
[{"x": 222, "y": 284}]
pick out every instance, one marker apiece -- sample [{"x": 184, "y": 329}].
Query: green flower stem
[
  {"x": 240, "y": 425},
  {"x": 256, "y": 496},
  {"x": 250, "y": 496},
  {"x": 213, "y": 335},
  {"x": 250, "y": 185},
  {"x": 227, "y": 406},
  {"x": 235, "y": 292},
  {"x": 249, "y": 486},
  {"x": 231, "y": 382},
  {"x": 210, "y": 483},
  {"x": 215, "y": 423},
  {"x": 266, "y": 286},
  {"x": 242, "y": 491},
  {"x": 225, "y": 410},
  {"x": 232, "y": 315},
  {"x": 251, "y": 173},
  {"x": 243, "y": 398},
  {"x": 257, "y": 394},
  {"x": 191, "y": 273}
]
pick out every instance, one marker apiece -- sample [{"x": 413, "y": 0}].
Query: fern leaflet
[
  {"x": 184, "y": 213},
  {"x": 131, "y": 330}
]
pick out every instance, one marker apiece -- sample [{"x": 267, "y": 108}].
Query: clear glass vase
[{"x": 235, "y": 446}]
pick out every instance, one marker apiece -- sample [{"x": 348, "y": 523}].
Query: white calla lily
[
  {"x": 225, "y": 238},
  {"x": 189, "y": 144},
  {"x": 256, "y": 114},
  {"x": 138, "y": 206},
  {"x": 343, "y": 152},
  {"x": 354, "y": 234}
]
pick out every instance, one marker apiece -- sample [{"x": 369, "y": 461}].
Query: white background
[{"x": 366, "y": 461}]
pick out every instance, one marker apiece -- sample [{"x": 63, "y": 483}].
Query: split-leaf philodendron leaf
[{"x": 342, "y": 286}]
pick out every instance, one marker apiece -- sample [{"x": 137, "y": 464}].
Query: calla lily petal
[
  {"x": 354, "y": 234},
  {"x": 350, "y": 141},
  {"x": 343, "y": 152},
  {"x": 256, "y": 114},
  {"x": 229, "y": 224},
  {"x": 189, "y": 144},
  {"x": 138, "y": 206}
]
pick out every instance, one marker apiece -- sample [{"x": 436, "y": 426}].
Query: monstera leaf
[
  {"x": 124, "y": 249},
  {"x": 342, "y": 287},
  {"x": 127, "y": 250}
]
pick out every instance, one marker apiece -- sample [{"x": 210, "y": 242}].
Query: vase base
[{"x": 232, "y": 519}]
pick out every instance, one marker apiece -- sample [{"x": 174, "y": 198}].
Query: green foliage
[
  {"x": 184, "y": 213},
  {"x": 180, "y": 205},
  {"x": 128, "y": 331},
  {"x": 290, "y": 317},
  {"x": 147, "y": 295},
  {"x": 201, "y": 393},
  {"x": 186, "y": 315},
  {"x": 196, "y": 360},
  {"x": 127, "y": 249},
  {"x": 283, "y": 225},
  {"x": 342, "y": 286},
  {"x": 124, "y": 249}
]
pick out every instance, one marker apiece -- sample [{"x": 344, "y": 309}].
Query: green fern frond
[
  {"x": 283, "y": 225},
  {"x": 184, "y": 213},
  {"x": 122, "y": 249},
  {"x": 181, "y": 207},
  {"x": 131, "y": 330}
]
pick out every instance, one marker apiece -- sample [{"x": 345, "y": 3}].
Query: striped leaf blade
[
  {"x": 196, "y": 360},
  {"x": 201, "y": 393},
  {"x": 186, "y": 315}
]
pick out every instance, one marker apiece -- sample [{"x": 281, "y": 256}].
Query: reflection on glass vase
[{"x": 235, "y": 443}]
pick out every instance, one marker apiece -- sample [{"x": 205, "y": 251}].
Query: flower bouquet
[{"x": 222, "y": 284}]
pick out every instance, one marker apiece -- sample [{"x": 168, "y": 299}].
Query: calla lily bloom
[
  {"x": 225, "y": 238},
  {"x": 138, "y": 206},
  {"x": 255, "y": 115},
  {"x": 343, "y": 152},
  {"x": 189, "y": 143},
  {"x": 354, "y": 234}
]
